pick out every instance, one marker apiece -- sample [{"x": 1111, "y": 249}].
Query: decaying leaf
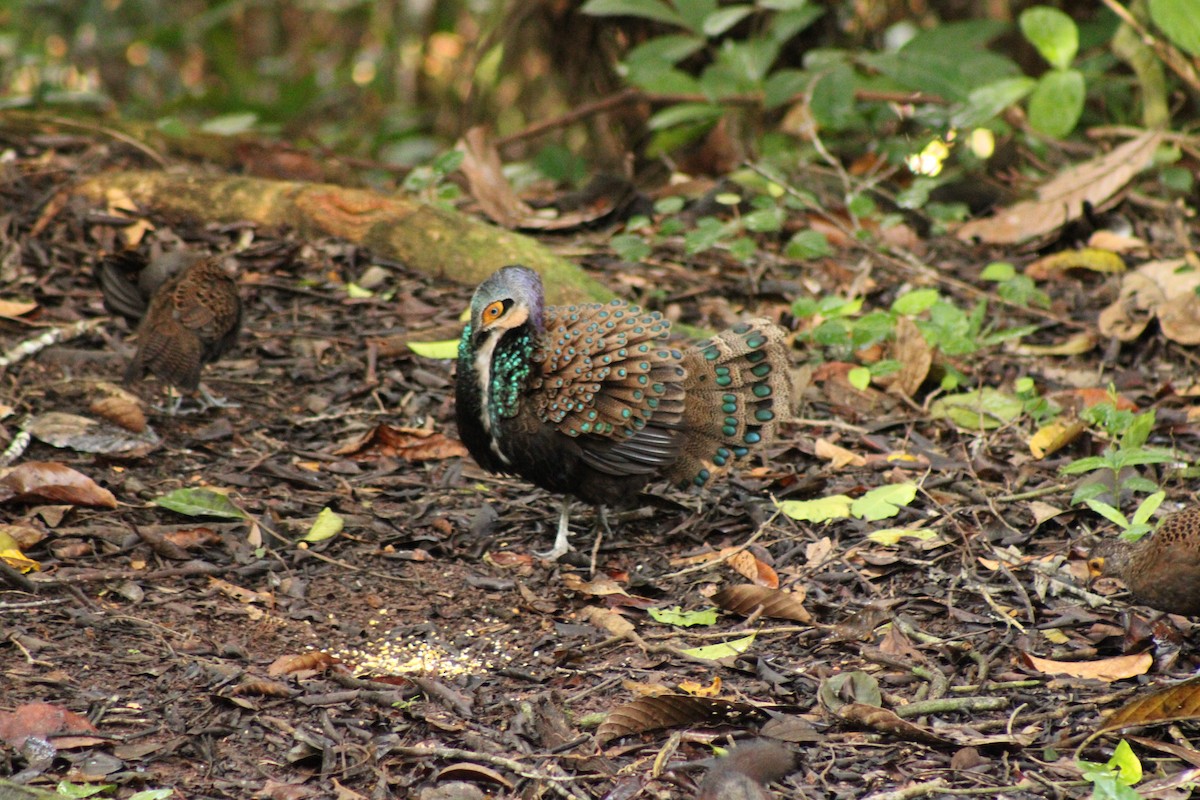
[
  {"x": 41, "y": 720},
  {"x": 674, "y": 711},
  {"x": 303, "y": 662},
  {"x": 1088, "y": 258},
  {"x": 1174, "y": 703},
  {"x": 1105, "y": 669},
  {"x": 915, "y": 357},
  {"x": 1054, "y": 436},
  {"x": 753, "y": 568},
  {"x": 91, "y": 435},
  {"x": 200, "y": 502},
  {"x": 776, "y": 603},
  {"x": 475, "y": 773},
  {"x": 1162, "y": 290},
  {"x": 884, "y": 721},
  {"x": 838, "y": 457},
  {"x": 847, "y": 688},
  {"x": 52, "y": 482},
  {"x": 722, "y": 650},
  {"x": 120, "y": 410},
  {"x": 411, "y": 444},
  {"x": 1063, "y": 199}
]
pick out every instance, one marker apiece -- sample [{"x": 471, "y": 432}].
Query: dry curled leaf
[
  {"x": 257, "y": 686},
  {"x": 411, "y": 444},
  {"x": 1180, "y": 701},
  {"x": 1105, "y": 669},
  {"x": 775, "y": 603},
  {"x": 303, "y": 662},
  {"x": 1165, "y": 290},
  {"x": 755, "y": 569},
  {"x": 41, "y": 720},
  {"x": 475, "y": 773},
  {"x": 87, "y": 435},
  {"x": 52, "y": 482},
  {"x": 884, "y": 721},
  {"x": 120, "y": 411},
  {"x": 1064, "y": 198},
  {"x": 674, "y": 711}
]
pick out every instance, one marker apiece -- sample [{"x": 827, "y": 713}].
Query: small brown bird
[
  {"x": 1162, "y": 569},
  {"x": 187, "y": 310},
  {"x": 743, "y": 773},
  {"x": 592, "y": 401}
]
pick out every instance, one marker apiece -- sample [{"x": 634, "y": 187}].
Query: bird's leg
[
  {"x": 561, "y": 542},
  {"x": 209, "y": 400},
  {"x": 602, "y": 528}
]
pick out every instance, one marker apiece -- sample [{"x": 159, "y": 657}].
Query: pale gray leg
[{"x": 561, "y": 542}]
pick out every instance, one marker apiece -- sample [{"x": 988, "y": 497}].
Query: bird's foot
[{"x": 562, "y": 542}]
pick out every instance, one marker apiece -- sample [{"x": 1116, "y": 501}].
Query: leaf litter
[{"x": 416, "y": 637}]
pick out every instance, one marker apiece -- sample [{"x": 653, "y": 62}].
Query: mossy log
[{"x": 437, "y": 242}]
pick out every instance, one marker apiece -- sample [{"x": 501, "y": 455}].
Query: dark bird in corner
[
  {"x": 592, "y": 401},
  {"x": 186, "y": 309},
  {"x": 1162, "y": 569}
]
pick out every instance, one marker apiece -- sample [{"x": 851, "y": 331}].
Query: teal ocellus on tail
[{"x": 592, "y": 401}]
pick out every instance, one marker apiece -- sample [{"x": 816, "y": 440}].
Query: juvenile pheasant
[
  {"x": 592, "y": 401},
  {"x": 187, "y": 310},
  {"x": 1162, "y": 569}
]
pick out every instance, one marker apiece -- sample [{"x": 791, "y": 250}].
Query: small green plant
[
  {"x": 954, "y": 330},
  {"x": 1038, "y": 408},
  {"x": 1014, "y": 286},
  {"x": 429, "y": 182},
  {"x": 1127, "y": 449},
  {"x": 1114, "y": 779}
]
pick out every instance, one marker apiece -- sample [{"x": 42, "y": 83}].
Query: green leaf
[
  {"x": 986, "y": 102},
  {"x": 1126, "y": 763},
  {"x": 728, "y": 649},
  {"x": 1053, "y": 33},
  {"x": 630, "y": 246},
  {"x": 807, "y": 245},
  {"x": 833, "y": 98},
  {"x": 327, "y": 525},
  {"x": 883, "y": 502},
  {"x": 1107, "y": 511},
  {"x": 230, "y": 124},
  {"x": 694, "y": 12},
  {"x": 1180, "y": 21},
  {"x": 444, "y": 349},
  {"x": 787, "y": 24},
  {"x": 78, "y": 790},
  {"x": 683, "y": 619},
  {"x": 684, "y": 112},
  {"x": 724, "y": 18},
  {"x": 356, "y": 292},
  {"x": 998, "y": 271},
  {"x": 822, "y": 509},
  {"x": 784, "y": 84},
  {"x": 646, "y": 9},
  {"x": 663, "y": 50},
  {"x": 449, "y": 161},
  {"x": 152, "y": 794},
  {"x": 1057, "y": 102},
  {"x": 890, "y": 537},
  {"x": 765, "y": 220},
  {"x": 983, "y": 409},
  {"x": 200, "y": 503},
  {"x": 1148, "y": 507},
  {"x": 915, "y": 302},
  {"x": 860, "y": 378}
]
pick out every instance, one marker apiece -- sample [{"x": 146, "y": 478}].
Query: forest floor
[{"x": 197, "y": 661}]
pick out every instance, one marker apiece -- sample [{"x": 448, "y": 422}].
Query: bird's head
[{"x": 510, "y": 298}]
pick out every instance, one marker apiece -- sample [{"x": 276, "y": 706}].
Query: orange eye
[{"x": 493, "y": 312}]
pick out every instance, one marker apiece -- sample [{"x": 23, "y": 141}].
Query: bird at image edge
[{"x": 592, "y": 401}]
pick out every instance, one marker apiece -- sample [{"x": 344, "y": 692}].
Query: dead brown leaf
[
  {"x": 411, "y": 444},
  {"x": 884, "y": 721},
  {"x": 1105, "y": 669},
  {"x": 1063, "y": 199},
  {"x": 1180, "y": 701},
  {"x": 1165, "y": 290},
  {"x": 41, "y": 720},
  {"x": 776, "y": 603},
  {"x": 674, "y": 711},
  {"x": 52, "y": 482},
  {"x": 303, "y": 662},
  {"x": 754, "y": 569}
]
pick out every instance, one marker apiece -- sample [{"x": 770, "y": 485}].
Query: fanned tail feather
[{"x": 738, "y": 390}]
